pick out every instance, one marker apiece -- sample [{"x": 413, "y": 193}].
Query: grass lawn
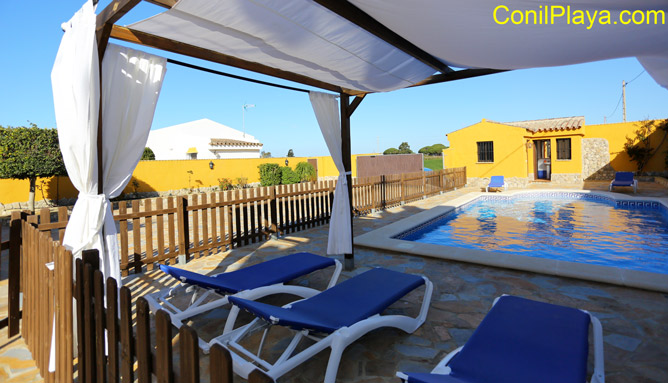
[{"x": 433, "y": 163}]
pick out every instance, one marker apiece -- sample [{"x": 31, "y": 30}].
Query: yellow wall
[
  {"x": 510, "y": 154},
  {"x": 616, "y": 135},
  {"x": 166, "y": 175},
  {"x": 572, "y": 166}
]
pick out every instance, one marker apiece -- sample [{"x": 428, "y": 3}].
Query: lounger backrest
[
  {"x": 496, "y": 180},
  {"x": 624, "y": 176},
  {"x": 521, "y": 340}
]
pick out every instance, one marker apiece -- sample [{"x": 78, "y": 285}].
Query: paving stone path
[{"x": 635, "y": 322}]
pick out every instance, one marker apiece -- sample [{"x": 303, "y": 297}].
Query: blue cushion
[
  {"x": 522, "y": 341},
  {"x": 623, "y": 179},
  {"x": 496, "y": 182},
  {"x": 343, "y": 305},
  {"x": 278, "y": 270},
  {"x": 414, "y": 377}
]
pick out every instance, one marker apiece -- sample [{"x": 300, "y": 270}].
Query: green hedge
[
  {"x": 305, "y": 172},
  {"x": 288, "y": 176},
  {"x": 270, "y": 174}
]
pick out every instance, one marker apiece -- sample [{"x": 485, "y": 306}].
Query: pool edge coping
[{"x": 382, "y": 238}]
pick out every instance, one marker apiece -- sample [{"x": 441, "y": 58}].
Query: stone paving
[{"x": 635, "y": 322}]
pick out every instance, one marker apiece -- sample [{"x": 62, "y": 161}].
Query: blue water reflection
[{"x": 571, "y": 230}]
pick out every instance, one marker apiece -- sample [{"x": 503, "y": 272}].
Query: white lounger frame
[
  {"x": 597, "y": 377},
  {"x": 504, "y": 186},
  {"x": 160, "y": 301},
  {"x": 634, "y": 186},
  {"x": 338, "y": 341}
]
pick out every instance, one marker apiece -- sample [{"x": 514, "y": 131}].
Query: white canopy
[{"x": 303, "y": 37}]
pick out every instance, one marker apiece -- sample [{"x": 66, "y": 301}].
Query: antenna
[{"x": 243, "y": 115}]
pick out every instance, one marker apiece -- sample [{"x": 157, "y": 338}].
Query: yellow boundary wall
[{"x": 162, "y": 176}]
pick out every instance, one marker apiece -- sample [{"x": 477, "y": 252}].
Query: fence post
[
  {"x": 272, "y": 206},
  {"x": 91, "y": 262},
  {"x": 403, "y": 190},
  {"x": 14, "y": 273},
  {"x": 424, "y": 185},
  {"x": 184, "y": 229}
]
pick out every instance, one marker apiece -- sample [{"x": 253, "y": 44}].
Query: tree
[
  {"x": 391, "y": 151},
  {"x": 639, "y": 148},
  {"x": 28, "y": 153},
  {"x": 148, "y": 154},
  {"x": 433, "y": 150},
  {"x": 264, "y": 154},
  {"x": 291, "y": 153},
  {"x": 404, "y": 148}
]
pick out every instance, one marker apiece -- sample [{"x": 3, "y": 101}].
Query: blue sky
[{"x": 284, "y": 120}]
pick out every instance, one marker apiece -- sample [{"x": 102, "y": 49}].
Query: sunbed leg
[{"x": 334, "y": 360}]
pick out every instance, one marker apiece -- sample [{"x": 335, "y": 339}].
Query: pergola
[{"x": 357, "y": 47}]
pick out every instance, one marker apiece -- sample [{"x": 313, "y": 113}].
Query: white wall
[{"x": 172, "y": 143}]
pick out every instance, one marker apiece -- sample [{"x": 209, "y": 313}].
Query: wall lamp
[
  {"x": 286, "y": 162},
  {"x": 211, "y": 165}
]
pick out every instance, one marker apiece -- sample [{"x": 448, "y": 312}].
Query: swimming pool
[
  {"x": 599, "y": 236},
  {"x": 565, "y": 226}
]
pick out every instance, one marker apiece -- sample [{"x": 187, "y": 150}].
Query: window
[
  {"x": 486, "y": 151},
  {"x": 563, "y": 148}
]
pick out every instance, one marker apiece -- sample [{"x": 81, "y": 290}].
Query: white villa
[{"x": 202, "y": 139}]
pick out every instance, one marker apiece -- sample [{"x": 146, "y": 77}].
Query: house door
[
  {"x": 314, "y": 162},
  {"x": 543, "y": 159}
]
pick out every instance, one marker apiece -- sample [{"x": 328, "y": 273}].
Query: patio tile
[{"x": 624, "y": 342}]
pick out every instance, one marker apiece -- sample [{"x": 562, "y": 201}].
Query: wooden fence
[
  {"x": 132, "y": 355},
  {"x": 47, "y": 302},
  {"x": 160, "y": 230},
  {"x": 382, "y": 192}
]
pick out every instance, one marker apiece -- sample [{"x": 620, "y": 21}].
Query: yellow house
[{"x": 557, "y": 150}]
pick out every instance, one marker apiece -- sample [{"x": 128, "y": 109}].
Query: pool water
[{"x": 577, "y": 230}]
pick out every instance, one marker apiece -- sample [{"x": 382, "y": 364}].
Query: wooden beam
[
  {"x": 457, "y": 75},
  {"x": 163, "y": 3},
  {"x": 371, "y": 25},
  {"x": 353, "y": 105},
  {"x": 106, "y": 19},
  {"x": 348, "y": 259},
  {"x": 147, "y": 39}
]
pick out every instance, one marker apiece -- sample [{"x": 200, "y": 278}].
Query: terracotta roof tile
[{"x": 562, "y": 123}]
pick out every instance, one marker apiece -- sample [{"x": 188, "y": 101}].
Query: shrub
[
  {"x": 270, "y": 174},
  {"x": 225, "y": 184},
  {"x": 288, "y": 176},
  {"x": 639, "y": 147},
  {"x": 391, "y": 151},
  {"x": 242, "y": 182},
  {"x": 305, "y": 172}
]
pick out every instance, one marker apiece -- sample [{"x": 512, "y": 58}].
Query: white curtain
[
  {"x": 76, "y": 90},
  {"x": 326, "y": 110},
  {"x": 132, "y": 82}
]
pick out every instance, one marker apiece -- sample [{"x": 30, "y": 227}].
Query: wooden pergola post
[
  {"x": 347, "y": 110},
  {"x": 348, "y": 259}
]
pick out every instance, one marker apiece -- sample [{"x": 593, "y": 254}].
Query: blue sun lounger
[
  {"x": 334, "y": 318},
  {"x": 523, "y": 341},
  {"x": 624, "y": 179},
  {"x": 252, "y": 282},
  {"x": 496, "y": 182}
]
